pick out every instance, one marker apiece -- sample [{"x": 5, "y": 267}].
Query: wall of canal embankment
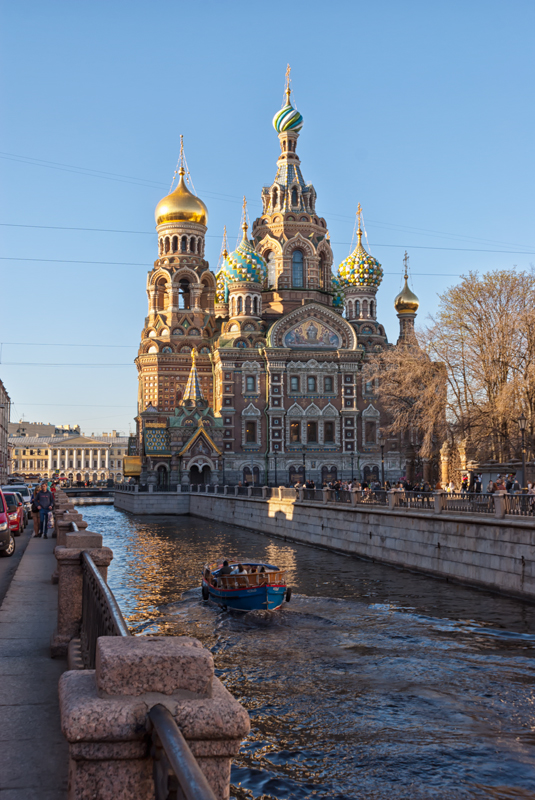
[{"x": 477, "y": 549}]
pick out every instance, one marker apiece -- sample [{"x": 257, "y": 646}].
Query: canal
[{"x": 371, "y": 683}]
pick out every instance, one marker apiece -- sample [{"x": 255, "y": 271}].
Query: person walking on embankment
[
  {"x": 45, "y": 504},
  {"x": 35, "y": 512}
]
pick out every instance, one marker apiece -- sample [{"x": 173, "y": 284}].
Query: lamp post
[
  {"x": 275, "y": 460},
  {"x": 351, "y": 466},
  {"x": 304, "y": 464},
  {"x": 223, "y": 462},
  {"x": 522, "y": 423},
  {"x": 382, "y": 441}
]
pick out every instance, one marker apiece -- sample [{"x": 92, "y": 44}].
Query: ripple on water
[{"x": 372, "y": 683}]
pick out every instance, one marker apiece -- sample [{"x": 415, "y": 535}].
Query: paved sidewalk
[{"x": 34, "y": 754}]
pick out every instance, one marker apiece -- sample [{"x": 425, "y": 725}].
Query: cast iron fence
[
  {"x": 101, "y": 616},
  {"x": 468, "y": 503}
]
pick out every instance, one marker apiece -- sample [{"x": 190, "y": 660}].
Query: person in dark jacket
[{"x": 45, "y": 503}]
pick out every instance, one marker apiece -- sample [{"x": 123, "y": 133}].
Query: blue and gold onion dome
[
  {"x": 338, "y": 300},
  {"x": 287, "y": 119},
  {"x": 360, "y": 269},
  {"x": 245, "y": 264}
]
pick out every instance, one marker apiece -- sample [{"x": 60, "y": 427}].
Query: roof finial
[
  {"x": 244, "y": 225},
  {"x": 288, "y": 90},
  {"x": 224, "y": 250},
  {"x": 359, "y": 229},
  {"x": 406, "y": 265},
  {"x": 181, "y": 159}
]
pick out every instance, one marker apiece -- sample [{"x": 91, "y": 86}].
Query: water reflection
[{"x": 371, "y": 683}]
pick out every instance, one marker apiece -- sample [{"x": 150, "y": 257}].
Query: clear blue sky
[{"x": 421, "y": 111}]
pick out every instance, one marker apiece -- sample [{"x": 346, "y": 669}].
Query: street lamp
[
  {"x": 304, "y": 465},
  {"x": 522, "y": 422},
  {"x": 223, "y": 460},
  {"x": 381, "y": 442},
  {"x": 351, "y": 466},
  {"x": 275, "y": 460}
]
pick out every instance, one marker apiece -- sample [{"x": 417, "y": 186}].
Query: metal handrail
[
  {"x": 101, "y": 615},
  {"x": 174, "y": 765}
]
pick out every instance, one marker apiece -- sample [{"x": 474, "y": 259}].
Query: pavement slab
[{"x": 34, "y": 751}]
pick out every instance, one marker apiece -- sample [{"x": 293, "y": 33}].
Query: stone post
[
  {"x": 151, "y": 488},
  {"x": 439, "y": 501},
  {"x": 391, "y": 499},
  {"x": 326, "y": 495},
  {"x": 225, "y": 489},
  {"x": 264, "y": 492},
  {"x": 236, "y": 491},
  {"x": 249, "y": 491},
  {"x": 280, "y": 492},
  {"x": 70, "y": 585},
  {"x": 104, "y": 716},
  {"x": 301, "y": 494},
  {"x": 500, "y": 500},
  {"x": 355, "y": 496}
]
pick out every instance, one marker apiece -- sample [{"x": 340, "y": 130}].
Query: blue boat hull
[{"x": 253, "y": 598}]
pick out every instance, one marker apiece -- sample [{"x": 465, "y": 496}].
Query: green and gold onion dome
[
  {"x": 406, "y": 302},
  {"x": 181, "y": 206},
  {"x": 360, "y": 268},
  {"x": 245, "y": 264}
]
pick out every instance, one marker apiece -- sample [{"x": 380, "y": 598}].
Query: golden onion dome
[
  {"x": 181, "y": 206},
  {"x": 406, "y": 302}
]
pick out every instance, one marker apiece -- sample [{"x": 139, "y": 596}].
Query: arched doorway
[
  {"x": 370, "y": 474},
  {"x": 197, "y": 476},
  {"x": 296, "y": 474},
  {"x": 254, "y": 479},
  {"x": 328, "y": 474},
  {"x": 162, "y": 477}
]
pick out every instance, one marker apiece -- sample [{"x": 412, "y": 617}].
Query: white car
[{"x": 23, "y": 490}]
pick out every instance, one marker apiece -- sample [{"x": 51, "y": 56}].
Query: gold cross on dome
[
  {"x": 288, "y": 90},
  {"x": 406, "y": 264}
]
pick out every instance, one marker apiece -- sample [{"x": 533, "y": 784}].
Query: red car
[
  {"x": 7, "y": 541},
  {"x": 15, "y": 512}
]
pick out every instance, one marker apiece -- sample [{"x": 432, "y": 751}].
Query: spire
[
  {"x": 224, "y": 247},
  {"x": 406, "y": 265},
  {"x": 193, "y": 389},
  {"x": 288, "y": 91},
  {"x": 244, "y": 225},
  {"x": 359, "y": 229}
]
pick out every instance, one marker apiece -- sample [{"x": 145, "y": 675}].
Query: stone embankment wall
[
  {"x": 476, "y": 550},
  {"x": 152, "y": 503}
]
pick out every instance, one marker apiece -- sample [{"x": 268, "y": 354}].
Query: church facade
[{"x": 255, "y": 373}]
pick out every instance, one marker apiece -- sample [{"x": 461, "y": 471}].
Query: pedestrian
[
  {"x": 45, "y": 503},
  {"x": 35, "y": 512}
]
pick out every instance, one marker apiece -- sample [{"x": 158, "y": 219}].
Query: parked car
[
  {"x": 7, "y": 540},
  {"x": 26, "y": 515},
  {"x": 23, "y": 490},
  {"x": 15, "y": 512}
]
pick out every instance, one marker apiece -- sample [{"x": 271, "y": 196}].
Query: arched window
[
  {"x": 294, "y": 196},
  {"x": 183, "y": 294},
  {"x": 371, "y": 308},
  {"x": 271, "y": 269},
  {"x": 248, "y": 305},
  {"x": 240, "y": 305},
  {"x": 167, "y": 244},
  {"x": 322, "y": 272},
  {"x": 161, "y": 246},
  {"x": 297, "y": 268},
  {"x": 192, "y": 244},
  {"x": 275, "y": 197},
  {"x": 364, "y": 308},
  {"x": 357, "y": 308},
  {"x": 255, "y": 305},
  {"x": 184, "y": 244},
  {"x": 175, "y": 244}
]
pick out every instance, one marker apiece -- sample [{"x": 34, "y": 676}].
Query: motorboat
[{"x": 260, "y": 586}]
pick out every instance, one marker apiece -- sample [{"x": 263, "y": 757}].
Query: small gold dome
[
  {"x": 406, "y": 302},
  {"x": 181, "y": 206}
]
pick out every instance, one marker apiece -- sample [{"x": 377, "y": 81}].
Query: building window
[
  {"x": 228, "y": 401},
  {"x": 328, "y": 383},
  {"x": 227, "y": 446},
  {"x": 297, "y": 269},
  {"x": 294, "y": 383},
  {"x": 250, "y": 432},
  {"x": 271, "y": 269},
  {"x": 369, "y": 432},
  {"x": 328, "y": 432},
  {"x": 295, "y": 432},
  {"x": 228, "y": 434},
  {"x": 312, "y": 432},
  {"x": 311, "y": 383},
  {"x": 368, "y": 387},
  {"x": 250, "y": 383}
]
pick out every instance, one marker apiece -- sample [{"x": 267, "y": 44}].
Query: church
[{"x": 255, "y": 373}]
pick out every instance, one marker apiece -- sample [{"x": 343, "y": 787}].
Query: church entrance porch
[
  {"x": 196, "y": 476},
  {"x": 162, "y": 478}
]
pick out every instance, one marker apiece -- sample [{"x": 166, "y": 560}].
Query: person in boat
[
  {"x": 239, "y": 570},
  {"x": 226, "y": 569},
  {"x": 253, "y": 569}
]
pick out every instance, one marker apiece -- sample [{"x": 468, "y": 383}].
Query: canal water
[{"x": 371, "y": 683}]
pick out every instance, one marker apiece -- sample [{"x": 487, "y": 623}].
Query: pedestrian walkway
[{"x": 34, "y": 754}]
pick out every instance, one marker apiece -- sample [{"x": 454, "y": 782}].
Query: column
[
  {"x": 107, "y": 462},
  {"x": 50, "y": 462},
  {"x": 99, "y": 460}
]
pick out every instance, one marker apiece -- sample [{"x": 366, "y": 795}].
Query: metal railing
[
  {"x": 422, "y": 500},
  {"x": 468, "y": 503},
  {"x": 175, "y": 770},
  {"x": 375, "y": 497},
  {"x": 520, "y": 505},
  {"x": 289, "y": 494},
  {"x": 101, "y": 615},
  {"x": 256, "y": 491},
  {"x": 316, "y": 495}
]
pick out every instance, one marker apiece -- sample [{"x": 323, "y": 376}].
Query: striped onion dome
[{"x": 287, "y": 119}]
